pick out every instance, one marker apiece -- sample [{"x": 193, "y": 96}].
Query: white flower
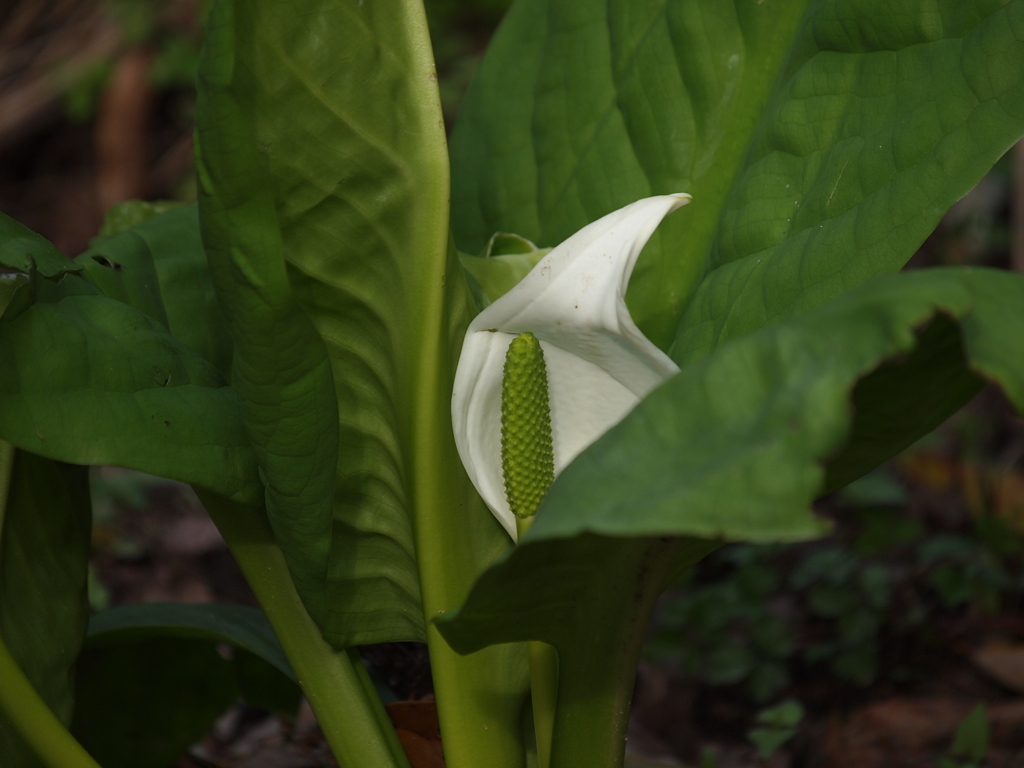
[{"x": 599, "y": 364}]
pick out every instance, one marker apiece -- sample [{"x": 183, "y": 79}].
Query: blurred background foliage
[{"x": 98, "y": 101}]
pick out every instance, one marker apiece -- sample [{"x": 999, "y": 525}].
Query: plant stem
[
  {"x": 544, "y": 694},
  {"x": 24, "y": 707},
  {"x": 597, "y": 673},
  {"x": 34, "y": 721},
  {"x": 480, "y": 697},
  {"x": 349, "y": 718},
  {"x": 375, "y": 704},
  {"x": 543, "y": 681}
]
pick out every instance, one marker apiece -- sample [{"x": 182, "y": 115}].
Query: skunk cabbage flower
[{"x": 599, "y": 365}]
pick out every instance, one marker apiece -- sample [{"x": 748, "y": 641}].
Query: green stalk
[
  {"x": 379, "y": 712},
  {"x": 24, "y": 707},
  {"x": 35, "y": 722},
  {"x": 543, "y": 695},
  {"x": 543, "y": 681},
  {"x": 480, "y": 696},
  {"x": 354, "y": 723},
  {"x": 596, "y": 675}
]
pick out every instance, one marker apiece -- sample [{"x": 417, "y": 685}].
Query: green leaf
[
  {"x": 44, "y": 556},
  {"x": 898, "y": 402},
  {"x": 176, "y": 709},
  {"x": 776, "y": 725},
  {"x": 158, "y": 266},
  {"x": 733, "y": 447},
  {"x": 113, "y": 387},
  {"x": 236, "y": 625},
  {"x": 821, "y": 142},
  {"x": 582, "y": 107},
  {"x": 344, "y": 242},
  {"x": 9, "y": 286},
  {"x": 23, "y": 250},
  {"x": 263, "y": 686},
  {"x": 280, "y": 365},
  {"x": 914, "y": 114},
  {"x": 141, "y": 704},
  {"x": 768, "y": 740},
  {"x": 970, "y": 742}
]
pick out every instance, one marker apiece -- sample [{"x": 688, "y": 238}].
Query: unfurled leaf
[
  {"x": 341, "y": 250},
  {"x": 44, "y": 556}
]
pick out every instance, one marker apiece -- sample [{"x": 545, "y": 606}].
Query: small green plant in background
[
  {"x": 756, "y": 615},
  {"x": 171, "y": 33},
  {"x": 728, "y": 630},
  {"x": 970, "y": 741},
  {"x": 775, "y": 726}
]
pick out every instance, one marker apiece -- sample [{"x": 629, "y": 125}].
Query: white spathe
[{"x": 599, "y": 363}]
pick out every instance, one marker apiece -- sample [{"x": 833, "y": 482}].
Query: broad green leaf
[
  {"x": 584, "y": 106},
  {"x": 360, "y": 201},
  {"x": 141, "y": 704},
  {"x": 44, "y": 554},
  {"x": 902, "y": 400},
  {"x": 821, "y": 141},
  {"x": 734, "y": 446},
  {"x": 328, "y": 154},
  {"x": 158, "y": 265},
  {"x": 882, "y": 121},
  {"x": 23, "y": 250},
  {"x": 123, "y": 269},
  {"x": 236, "y": 625},
  {"x": 88, "y": 380},
  {"x": 280, "y": 366}
]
